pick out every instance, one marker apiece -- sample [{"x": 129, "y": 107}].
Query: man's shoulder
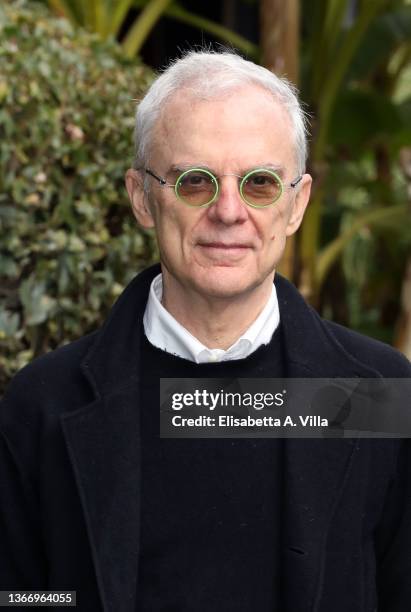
[
  {"x": 388, "y": 361},
  {"x": 58, "y": 363},
  {"x": 57, "y": 379},
  {"x": 326, "y": 347},
  {"x": 55, "y": 375}
]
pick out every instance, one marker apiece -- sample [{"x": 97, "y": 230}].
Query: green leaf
[
  {"x": 373, "y": 217},
  {"x": 8, "y": 267},
  {"x": 36, "y": 302},
  {"x": 361, "y": 118},
  {"x": 385, "y": 34},
  {"x": 228, "y": 36},
  {"x": 9, "y": 324},
  {"x": 332, "y": 84},
  {"x": 142, "y": 26},
  {"x": 116, "y": 18}
]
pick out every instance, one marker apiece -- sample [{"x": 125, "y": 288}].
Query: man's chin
[
  {"x": 225, "y": 282},
  {"x": 221, "y": 256}
]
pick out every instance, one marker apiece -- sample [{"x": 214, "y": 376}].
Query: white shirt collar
[{"x": 166, "y": 333}]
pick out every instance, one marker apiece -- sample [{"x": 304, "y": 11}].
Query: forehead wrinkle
[
  {"x": 269, "y": 166},
  {"x": 182, "y": 167},
  {"x": 187, "y": 166}
]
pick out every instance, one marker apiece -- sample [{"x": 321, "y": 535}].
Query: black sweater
[{"x": 211, "y": 513}]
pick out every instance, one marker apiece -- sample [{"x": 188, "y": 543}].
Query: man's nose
[{"x": 229, "y": 208}]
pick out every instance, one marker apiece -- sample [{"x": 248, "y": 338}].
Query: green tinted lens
[
  {"x": 196, "y": 187},
  {"x": 261, "y": 188}
]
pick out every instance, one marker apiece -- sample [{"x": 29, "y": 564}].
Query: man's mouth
[
  {"x": 224, "y": 245},
  {"x": 224, "y": 253}
]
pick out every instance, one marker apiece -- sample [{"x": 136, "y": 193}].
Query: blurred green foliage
[
  {"x": 355, "y": 240},
  {"x": 68, "y": 241},
  {"x": 114, "y": 18}
]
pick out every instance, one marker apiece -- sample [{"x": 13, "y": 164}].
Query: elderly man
[{"x": 93, "y": 500}]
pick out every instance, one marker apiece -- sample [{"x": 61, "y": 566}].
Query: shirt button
[{"x": 213, "y": 358}]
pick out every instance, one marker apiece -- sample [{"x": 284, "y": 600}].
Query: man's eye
[
  {"x": 262, "y": 180},
  {"x": 195, "y": 180}
]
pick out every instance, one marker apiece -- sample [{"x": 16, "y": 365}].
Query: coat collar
[
  {"x": 103, "y": 443},
  {"x": 312, "y": 351}
]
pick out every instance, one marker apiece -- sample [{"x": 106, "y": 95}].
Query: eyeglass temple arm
[
  {"x": 295, "y": 182},
  {"x": 158, "y": 178}
]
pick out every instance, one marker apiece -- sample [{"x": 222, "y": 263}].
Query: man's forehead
[
  {"x": 186, "y": 100},
  {"x": 248, "y": 107},
  {"x": 248, "y": 125}
]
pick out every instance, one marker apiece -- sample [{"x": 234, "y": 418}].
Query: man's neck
[{"x": 215, "y": 322}]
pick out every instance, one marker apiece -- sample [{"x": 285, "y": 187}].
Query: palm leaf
[
  {"x": 143, "y": 25},
  {"x": 118, "y": 16},
  {"x": 331, "y": 252}
]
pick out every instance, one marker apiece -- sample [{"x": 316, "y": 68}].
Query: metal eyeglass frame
[{"x": 283, "y": 187}]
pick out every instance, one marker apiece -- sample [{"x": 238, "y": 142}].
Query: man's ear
[
  {"x": 138, "y": 198},
  {"x": 299, "y": 205}
]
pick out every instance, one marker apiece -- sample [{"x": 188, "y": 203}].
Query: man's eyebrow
[
  {"x": 187, "y": 166},
  {"x": 278, "y": 168}
]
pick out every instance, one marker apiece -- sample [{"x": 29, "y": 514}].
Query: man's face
[{"x": 228, "y": 249}]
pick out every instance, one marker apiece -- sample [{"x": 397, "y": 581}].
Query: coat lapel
[
  {"x": 315, "y": 473},
  {"x": 103, "y": 441},
  {"x": 315, "y": 470}
]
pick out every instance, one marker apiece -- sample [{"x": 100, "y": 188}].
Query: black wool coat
[{"x": 70, "y": 473}]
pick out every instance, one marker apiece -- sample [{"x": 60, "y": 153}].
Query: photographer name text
[{"x": 249, "y": 421}]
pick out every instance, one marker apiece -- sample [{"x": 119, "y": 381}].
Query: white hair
[{"x": 208, "y": 75}]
